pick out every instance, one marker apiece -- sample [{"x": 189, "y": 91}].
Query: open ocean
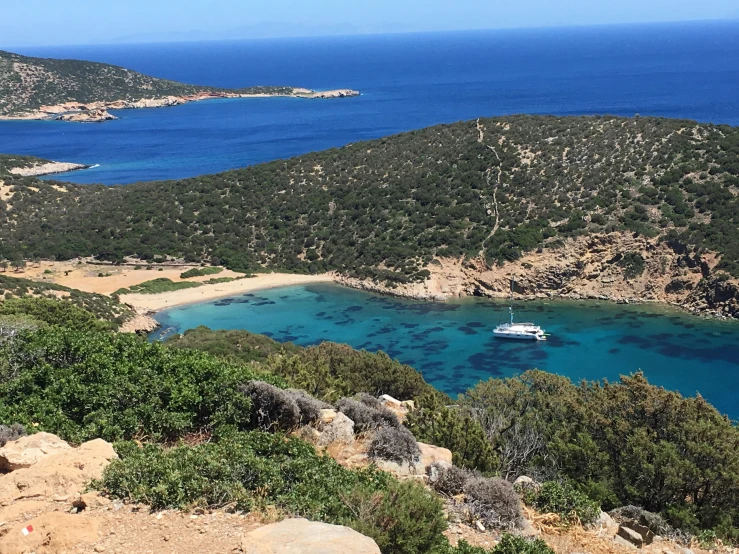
[{"x": 407, "y": 82}]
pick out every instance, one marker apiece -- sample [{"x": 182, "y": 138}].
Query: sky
[{"x": 67, "y": 22}]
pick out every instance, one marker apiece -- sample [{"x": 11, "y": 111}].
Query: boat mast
[{"x": 510, "y": 308}]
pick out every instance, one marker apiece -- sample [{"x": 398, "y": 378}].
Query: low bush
[
  {"x": 655, "y": 522},
  {"x": 55, "y": 312},
  {"x": 11, "y": 432},
  {"x": 250, "y": 471},
  {"x": 272, "y": 408},
  {"x": 514, "y": 544},
  {"x": 366, "y": 418},
  {"x": 493, "y": 501},
  {"x": 310, "y": 408},
  {"x": 404, "y": 518},
  {"x": 200, "y": 272},
  {"x": 563, "y": 499},
  {"x": 448, "y": 480},
  {"x": 157, "y": 286},
  {"x": 85, "y": 385},
  {"x": 369, "y": 400},
  {"x": 395, "y": 444},
  {"x": 434, "y": 423},
  {"x": 509, "y": 544}
]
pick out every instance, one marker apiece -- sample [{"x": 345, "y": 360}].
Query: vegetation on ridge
[
  {"x": 27, "y": 83},
  {"x": 385, "y": 208}
]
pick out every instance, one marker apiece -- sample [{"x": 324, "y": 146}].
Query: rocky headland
[
  {"x": 96, "y": 112},
  {"x": 583, "y": 268},
  {"x": 46, "y": 168}
]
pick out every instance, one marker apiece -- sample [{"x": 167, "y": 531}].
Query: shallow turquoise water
[{"x": 452, "y": 343}]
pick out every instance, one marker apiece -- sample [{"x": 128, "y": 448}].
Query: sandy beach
[{"x": 147, "y": 303}]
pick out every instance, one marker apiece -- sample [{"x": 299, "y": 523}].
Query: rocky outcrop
[
  {"x": 166, "y": 102},
  {"x": 98, "y": 111},
  {"x": 300, "y": 536},
  {"x": 340, "y": 93},
  {"x": 29, "y": 450},
  {"x": 59, "y": 476},
  {"x": 139, "y": 323},
  {"x": 591, "y": 267},
  {"x": 49, "y": 168},
  {"x": 88, "y": 116}
]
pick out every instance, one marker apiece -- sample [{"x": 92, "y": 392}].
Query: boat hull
[{"x": 515, "y": 336}]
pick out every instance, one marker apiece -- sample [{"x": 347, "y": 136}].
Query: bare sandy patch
[
  {"x": 106, "y": 279},
  {"x": 146, "y": 303}
]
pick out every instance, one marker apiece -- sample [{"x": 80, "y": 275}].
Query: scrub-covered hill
[{"x": 482, "y": 192}]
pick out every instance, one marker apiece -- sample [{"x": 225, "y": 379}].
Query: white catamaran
[{"x": 518, "y": 331}]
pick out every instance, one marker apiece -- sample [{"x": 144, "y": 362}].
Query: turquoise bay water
[{"x": 452, "y": 343}]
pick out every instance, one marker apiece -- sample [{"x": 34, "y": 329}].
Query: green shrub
[
  {"x": 253, "y": 470},
  {"x": 513, "y": 544},
  {"x": 55, "y": 312},
  {"x": 200, "y": 272},
  {"x": 563, "y": 499},
  {"x": 632, "y": 264},
  {"x": 157, "y": 286},
  {"x": 85, "y": 385},
  {"x": 452, "y": 428},
  {"x": 404, "y": 518}
]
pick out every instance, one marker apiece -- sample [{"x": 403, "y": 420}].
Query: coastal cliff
[{"x": 585, "y": 268}]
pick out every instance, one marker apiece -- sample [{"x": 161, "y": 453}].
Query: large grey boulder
[
  {"x": 341, "y": 430},
  {"x": 300, "y": 536}
]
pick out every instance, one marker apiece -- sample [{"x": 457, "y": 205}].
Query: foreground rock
[
  {"x": 58, "y": 477},
  {"x": 27, "y": 451},
  {"x": 300, "y": 536}
]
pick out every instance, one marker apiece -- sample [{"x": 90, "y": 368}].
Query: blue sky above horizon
[{"x": 77, "y": 22}]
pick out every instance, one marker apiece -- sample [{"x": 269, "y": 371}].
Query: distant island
[
  {"x": 605, "y": 208},
  {"x": 81, "y": 91}
]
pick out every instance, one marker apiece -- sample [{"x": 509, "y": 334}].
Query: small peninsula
[
  {"x": 31, "y": 166},
  {"x": 81, "y": 91}
]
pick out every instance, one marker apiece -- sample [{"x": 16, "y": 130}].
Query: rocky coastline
[
  {"x": 584, "y": 268},
  {"x": 48, "y": 168},
  {"x": 96, "y": 112}
]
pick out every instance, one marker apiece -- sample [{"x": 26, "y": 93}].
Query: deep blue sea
[
  {"x": 407, "y": 82},
  {"x": 452, "y": 343}
]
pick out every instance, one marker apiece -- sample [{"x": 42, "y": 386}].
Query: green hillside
[
  {"x": 27, "y": 83},
  {"x": 385, "y": 208}
]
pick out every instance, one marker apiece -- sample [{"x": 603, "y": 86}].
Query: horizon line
[{"x": 380, "y": 34}]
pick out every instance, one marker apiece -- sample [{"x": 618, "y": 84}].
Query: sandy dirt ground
[
  {"x": 106, "y": 279},
  {"x": 87, "y": 277},
  {"x": 146, "y": 303}
]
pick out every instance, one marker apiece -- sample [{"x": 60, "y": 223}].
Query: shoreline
[
  {"x": 149, "y": 304},
  {"x": 97, "y": 112},
  {"x": 50, "y": 168}
]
